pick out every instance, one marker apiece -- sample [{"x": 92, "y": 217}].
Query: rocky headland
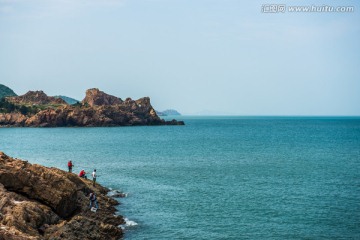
[
  {"x": 38, "y": 202},
  {"x": 97, "y": 109}
]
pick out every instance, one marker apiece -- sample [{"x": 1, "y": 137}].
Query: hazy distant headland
[
  {"x": 168, "y": 112},
  {"x": 36, "y": 109}
]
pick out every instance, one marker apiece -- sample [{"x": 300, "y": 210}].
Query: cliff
[
  {"x": 37, "y": 202},
  {"x": 36, "y": 109}
]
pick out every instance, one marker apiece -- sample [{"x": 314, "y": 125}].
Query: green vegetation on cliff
[
  {"x": 8, "y": 107},
  {"x": 6, "y": 91}
]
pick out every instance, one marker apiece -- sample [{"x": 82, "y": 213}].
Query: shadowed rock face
[
  {"x": 37, "y": 202},
  {"x": 97, "y": 109}
]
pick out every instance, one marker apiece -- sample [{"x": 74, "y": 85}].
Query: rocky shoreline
[{"x": 38, "y": 202}]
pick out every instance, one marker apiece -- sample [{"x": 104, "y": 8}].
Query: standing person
[
  {"x": 94, "y": 177},
  {"x": 70, "y": 166}
]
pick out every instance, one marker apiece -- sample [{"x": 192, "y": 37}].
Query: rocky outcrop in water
[
  {"x": 36, "y": 109},
  {"x": 37, "y": 202}
]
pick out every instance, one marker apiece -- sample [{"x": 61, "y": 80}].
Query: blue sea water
[{"x": 217, "y": 177}]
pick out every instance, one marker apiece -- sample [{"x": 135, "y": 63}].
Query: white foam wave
[
  {"x": 130, "y": 223},
  {"x": 117, "y": 193}
]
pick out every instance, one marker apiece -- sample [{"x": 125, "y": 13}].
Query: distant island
[
  {"x": 168, "y": 112},
  {"x": 97, "y": 109}
]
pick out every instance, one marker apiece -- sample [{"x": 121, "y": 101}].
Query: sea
[{"x": 223, "y": 177}]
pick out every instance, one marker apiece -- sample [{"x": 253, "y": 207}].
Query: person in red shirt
[
  {"x": 82, "y": 174},
  {"x": 70, "y": 166}
]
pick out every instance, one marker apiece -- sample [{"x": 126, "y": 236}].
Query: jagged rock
[
  {"x": 97, "y": 109},
  {"x": 95, "y": 97},
  {"x": 37, "y": 202}
]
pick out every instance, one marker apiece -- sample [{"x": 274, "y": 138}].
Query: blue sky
[{"x": 196, "y": 56}]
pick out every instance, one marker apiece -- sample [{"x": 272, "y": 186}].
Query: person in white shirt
[{"x": 94, "y": 177}]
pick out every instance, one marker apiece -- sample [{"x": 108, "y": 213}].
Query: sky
[{"x": 200, "y": 57}]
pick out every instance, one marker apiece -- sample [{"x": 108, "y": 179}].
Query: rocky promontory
[
  {"x": 36, "y": 109},
  {"x": 38, "y": 202}
]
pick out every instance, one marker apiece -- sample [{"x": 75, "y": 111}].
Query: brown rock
[
  {"x": 12, "y": 119},
  {"x": 95, "y": 97}
]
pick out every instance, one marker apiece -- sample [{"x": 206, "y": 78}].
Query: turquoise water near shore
[{"x": 217, "y": 177}]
